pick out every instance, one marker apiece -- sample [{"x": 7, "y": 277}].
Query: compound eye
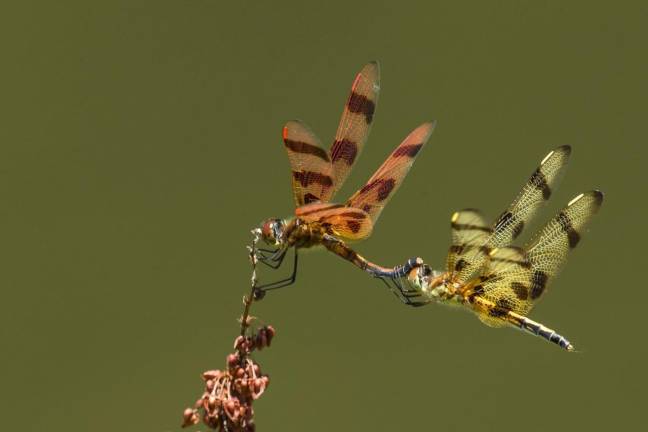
[{"x": 268, "y": 231}]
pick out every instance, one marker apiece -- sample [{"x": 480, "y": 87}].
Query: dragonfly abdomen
[
  {"x": 339, "y": 248},
  {"x": 545, "y": 333}
]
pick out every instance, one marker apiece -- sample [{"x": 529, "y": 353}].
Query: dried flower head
[{"x": 226, "y": 403}]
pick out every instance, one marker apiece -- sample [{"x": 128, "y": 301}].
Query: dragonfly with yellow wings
[
  {"x": 499, "y": 282},
  {"x": 317, "y": 175}
]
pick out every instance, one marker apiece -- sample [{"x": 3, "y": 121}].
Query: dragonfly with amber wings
[
  {"x": 317, "y": 175},
  {"x": 497, "y": 281}
]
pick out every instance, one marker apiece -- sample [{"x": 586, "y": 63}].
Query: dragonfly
[
  {"x": 318, "y": 174},
  {"x": 499, "y": 282}
]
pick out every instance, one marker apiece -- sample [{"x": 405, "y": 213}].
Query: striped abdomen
[
  {"x": 497, "y": 315},
  {"x": 540, "y": 330}
]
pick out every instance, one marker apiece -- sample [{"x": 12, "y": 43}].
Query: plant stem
[{"x": 249, "y": 299}]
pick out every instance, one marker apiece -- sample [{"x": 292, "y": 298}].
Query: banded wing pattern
[
  {"x": 312, "y": 172},
  {"x": 355, "y": 123},
  {"x": 469, "y": 231},
  {"x": 375, "y": 194},
  {"x": 515, "y": 279},
  {"x": 316, "y": 173},
  {"x": 559, "y": 236},
  {"x": 511, "y": 222}
]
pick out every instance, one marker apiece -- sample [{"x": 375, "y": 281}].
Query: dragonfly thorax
[
  {"x": 440, "y": 288},
  {"x": 292, "y": 232}
]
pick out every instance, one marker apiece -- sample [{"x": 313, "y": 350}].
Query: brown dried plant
[{"x": 226, "y": 402}]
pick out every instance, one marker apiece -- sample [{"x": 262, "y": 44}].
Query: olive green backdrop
[{"x": 140, "y": 143}]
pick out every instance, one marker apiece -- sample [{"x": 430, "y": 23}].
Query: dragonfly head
[
  {"x": 272, "y": 231},
  {"x": 430, "y": 282}
]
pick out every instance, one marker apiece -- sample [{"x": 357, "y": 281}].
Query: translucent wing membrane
[
  {"x": 312, "y": 172},
  {"x": 510, "y": 224},
  {"x": 355, "y": 123},
  {"x": 505, "y": 284},
  {"x": 514, "y": 279},
  {"x": 374, "y": 195},
  {"x": 534, "y": 194},
  {"x": 469, "y": 231},
  {"x": 559, "y": 236}
]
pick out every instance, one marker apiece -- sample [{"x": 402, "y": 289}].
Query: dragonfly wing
[
  {"x": 374, "y": 195},
  {"x": 312, "y": 172},
  {"x": 511, "y": 222},
  {"x": 562, "y": 234},
  {"x": 515, "y": 279},
  {"x": 355, "y": 123},
  {"x": 469, "y": 231}
]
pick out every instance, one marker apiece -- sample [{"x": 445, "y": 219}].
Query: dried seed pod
[
  {"x": 231, "y": 408},
  {"x": 258, "y": 386},
  {"x": 232, "y": 360},
  {"x": 212, "y": 374},
  {"x": 240, "y": 385},
  {"x": 189, "y": 417},
  {"x": 250, "y": 388},
  {"x": 211, "y": 420},
  {"x": 230, "y": 404},
  {"x": 209, "y": 385},
  {"x": 238, "y": 342},
  {"x": 242, "y": 411},
  {"x": 270, "y": 332},
  {"x": 261, "y": 339},
  {"x": 211, "y": 402}
]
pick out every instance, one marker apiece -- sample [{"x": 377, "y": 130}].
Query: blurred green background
[{"x": 140, "y": 143}]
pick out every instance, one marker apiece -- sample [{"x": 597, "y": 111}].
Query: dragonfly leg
[
  {"x": 283, "y": 282},
  {"x": 392, "y": 286},
  {"x": 275, "y": 260},
  {"x": 267, "y": 252},
  {"x": 407, "y": 296}
]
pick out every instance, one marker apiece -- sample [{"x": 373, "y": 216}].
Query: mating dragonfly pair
[{"x": 484, "y": 273}]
